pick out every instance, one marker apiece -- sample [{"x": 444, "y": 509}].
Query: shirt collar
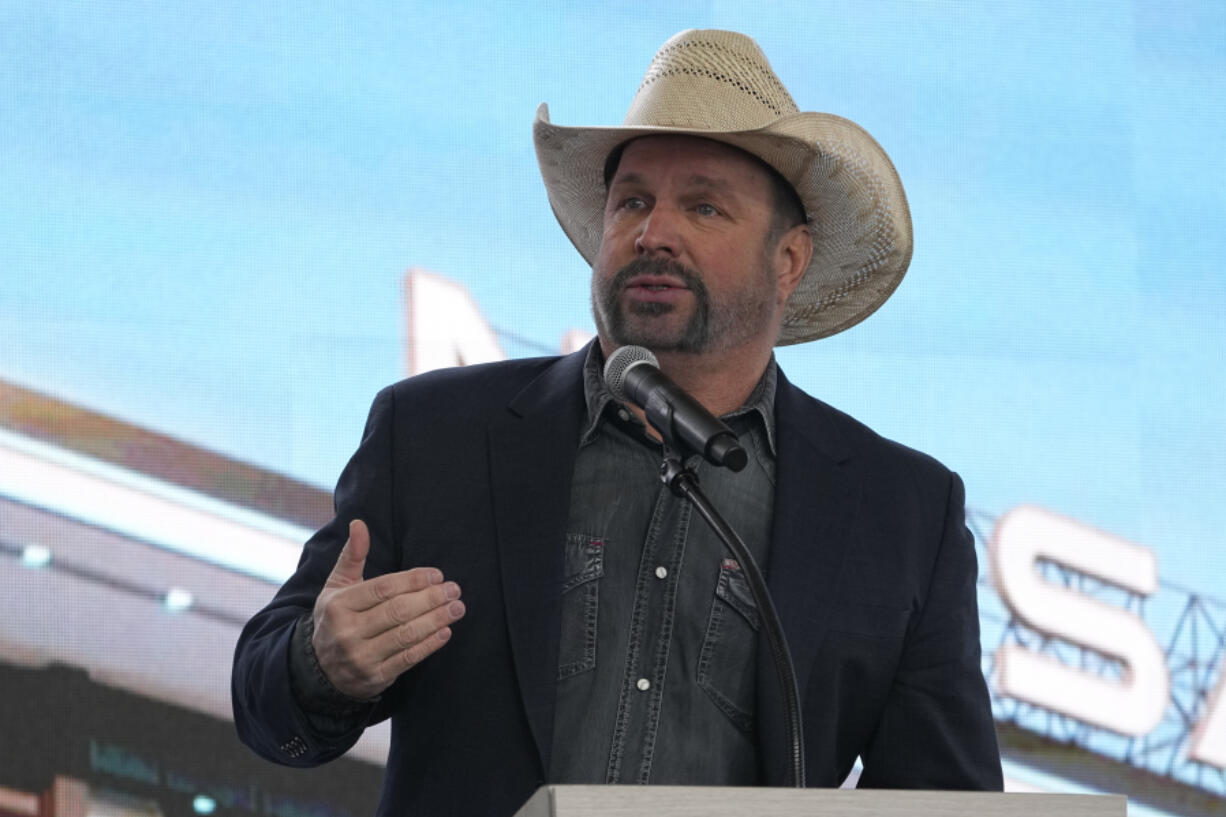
[{"x": 760, "y": 401}]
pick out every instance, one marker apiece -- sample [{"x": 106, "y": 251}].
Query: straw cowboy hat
[{"x": 719, "y": 85}]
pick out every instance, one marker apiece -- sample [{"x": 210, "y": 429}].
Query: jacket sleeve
[
  {"x": 267, "y": 713},
  {"x": 936, "y": 730}
]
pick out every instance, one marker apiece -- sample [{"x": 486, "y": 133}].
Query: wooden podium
[{"x": 718, "y": 801}]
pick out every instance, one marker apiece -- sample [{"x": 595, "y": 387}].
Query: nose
[{"x": 659, "y": 234}]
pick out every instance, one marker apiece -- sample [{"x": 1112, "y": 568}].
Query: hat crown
[{"x": 709, "y": 80}]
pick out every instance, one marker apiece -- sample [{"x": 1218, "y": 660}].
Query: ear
[{"x": 791, "y": 259}]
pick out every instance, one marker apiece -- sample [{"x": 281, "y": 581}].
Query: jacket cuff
[{"x": 328, "y": 709}]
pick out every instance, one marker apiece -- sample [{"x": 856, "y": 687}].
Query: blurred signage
[
  {"x": 1132, "y": 704},
  {"x": 445, "y": 326}
]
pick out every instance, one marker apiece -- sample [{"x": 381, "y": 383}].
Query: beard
[{"x": 714, "y": 325}]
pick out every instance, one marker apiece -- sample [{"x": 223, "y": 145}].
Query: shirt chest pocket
[
  {"x": 580, "y": 602},
  {"x": 726, "y": 663}
]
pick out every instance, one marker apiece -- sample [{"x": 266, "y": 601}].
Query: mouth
[{"x": 654, "y": 283}]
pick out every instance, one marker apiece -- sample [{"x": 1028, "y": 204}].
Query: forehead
[{"x": 655, "y": 157}]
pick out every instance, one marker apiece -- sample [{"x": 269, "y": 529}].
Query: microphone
[{"x": 632, "y": 374}]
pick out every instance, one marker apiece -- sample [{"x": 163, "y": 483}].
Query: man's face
[{"x": 685, "y": 262}]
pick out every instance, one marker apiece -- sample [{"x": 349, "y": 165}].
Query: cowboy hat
[{"x": 718, "y": 85}]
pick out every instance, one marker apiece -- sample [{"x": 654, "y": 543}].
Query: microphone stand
[{"x": 683, "y": 482}]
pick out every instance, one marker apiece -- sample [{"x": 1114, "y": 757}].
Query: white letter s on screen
[{"x": 1132, "y": 705}]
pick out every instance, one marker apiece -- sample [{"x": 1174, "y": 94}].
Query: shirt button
[
  {"x": 643, "y": 684},
  {"x": 661, "y": 572},
  {"x": 624, "y": 415}
]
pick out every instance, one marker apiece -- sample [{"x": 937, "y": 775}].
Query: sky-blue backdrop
[{"x": 207, "y": 210}]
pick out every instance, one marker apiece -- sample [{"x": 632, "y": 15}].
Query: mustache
[{"x": 658, "y": 266}]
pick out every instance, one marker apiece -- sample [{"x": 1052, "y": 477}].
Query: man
[{"x": 603, "y": 634}]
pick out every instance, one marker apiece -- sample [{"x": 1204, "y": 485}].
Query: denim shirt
[{"x": 659, "y": 631}]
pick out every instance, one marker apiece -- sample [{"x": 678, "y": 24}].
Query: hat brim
[{"x": 857, "y": 210}]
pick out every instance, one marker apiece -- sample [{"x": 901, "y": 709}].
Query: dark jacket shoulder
[
  {"x": 843, "y": 437},
  {"x": 472, "y": 395},
  {"x": 505, "y": 377}
]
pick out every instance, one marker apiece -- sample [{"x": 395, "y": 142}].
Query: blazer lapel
[
  {"x": 816, "y": 495},
  {"x": 532, "y": 455}
]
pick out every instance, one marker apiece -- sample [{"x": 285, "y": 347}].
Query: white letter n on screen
[{"x": 445, "y": 327}]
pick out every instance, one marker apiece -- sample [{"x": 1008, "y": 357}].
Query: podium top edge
[{"x": 715, "y": 801}]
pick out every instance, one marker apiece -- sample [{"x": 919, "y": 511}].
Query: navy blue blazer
[{"x": 871, "y": 568}]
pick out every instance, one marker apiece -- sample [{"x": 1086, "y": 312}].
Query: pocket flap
[
  {"x": 584, "y": 560},
  {"x": 733, "y": 589}
]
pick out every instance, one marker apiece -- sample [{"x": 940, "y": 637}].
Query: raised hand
[{"x": 368, "y": 632}]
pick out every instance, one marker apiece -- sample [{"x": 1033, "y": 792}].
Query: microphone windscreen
[{"x": 619, "y": 363}]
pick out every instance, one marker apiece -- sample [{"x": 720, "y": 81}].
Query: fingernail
[
  {"x": 436, "y": 576},
  {"x": 451, "y": 591},
  {"x": 444, "y": 634},
  {"x": 456, "y": 609}
]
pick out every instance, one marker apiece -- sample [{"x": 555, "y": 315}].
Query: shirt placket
[{"x": 651, "y": 631}]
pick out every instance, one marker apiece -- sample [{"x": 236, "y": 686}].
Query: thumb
[{"x": 349, "y": 564}]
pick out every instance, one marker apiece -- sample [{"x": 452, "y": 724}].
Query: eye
[
  {"x": 632, "y": 203},
  {"x": 706, "y": 209}
]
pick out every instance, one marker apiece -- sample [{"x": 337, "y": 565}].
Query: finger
[
  {"x": 349, "y": 565},
  {"x": 381, "y": 589},
  {"x": 403, "y": 660},
  {"x": 406, "y": 637},
  {"x": 404, "y": 608}
]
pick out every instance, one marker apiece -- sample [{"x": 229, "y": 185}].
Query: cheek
[
  {"x": 602, "y": 263},
  {"x": 613, "y": 225},
  {"x": 615, "y": 248},
  {"x": 604, "y": 268},
  {"x": 729, "y": 264}
]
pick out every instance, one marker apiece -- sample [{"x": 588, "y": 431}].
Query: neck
[
  {"x": 720, "y": 385},
  {"x": 721, "y": 382}
]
